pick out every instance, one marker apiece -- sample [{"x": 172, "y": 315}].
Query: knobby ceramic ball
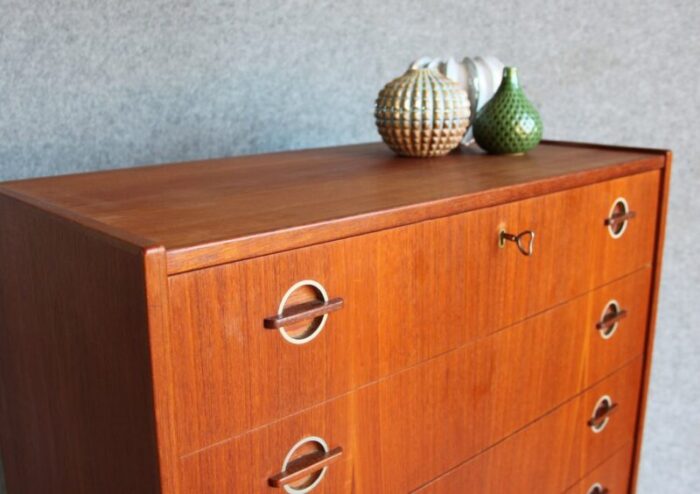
[
  {"x": 508, "y": 123},
  {"x": 422, "y": 114}
]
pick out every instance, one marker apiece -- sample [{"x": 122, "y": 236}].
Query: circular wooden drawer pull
[
  {"x": 610, "y": 319},
  {"x": 303, "y": 312},
  {"x": 618, "y": 218},
  {"x": 597, "y": 488},
  {"x": 601, "y": 414},
  {"x": 305, "y": 465}
]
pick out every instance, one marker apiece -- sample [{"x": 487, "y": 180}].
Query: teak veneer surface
[
  {"x": 134, "y": 357},
  {"x": 552, "y": 453},
  {"x": 505, "y": 381},
  {"x": 418, "y": 293},
  {"x": 216, "y": 211},
  {"x": 401, "y": 433},
  {"x": 76, "y": 401},
  {"x": 612, "y": 475}
]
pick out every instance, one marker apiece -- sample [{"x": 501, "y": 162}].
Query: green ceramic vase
[{"x": 508, "y": 123}]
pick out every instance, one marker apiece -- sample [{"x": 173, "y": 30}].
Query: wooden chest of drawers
[{"x": 334, "y": 320}]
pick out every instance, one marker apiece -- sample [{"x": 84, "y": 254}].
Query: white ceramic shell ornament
[
  {"x": 478, "y": 76},
  {"x": 422, "y": 114}
]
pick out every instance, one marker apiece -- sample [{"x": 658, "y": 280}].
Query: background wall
[{"x": 88, "y": 84}]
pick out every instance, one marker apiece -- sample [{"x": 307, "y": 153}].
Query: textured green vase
[{"x": 508, "y": 123}]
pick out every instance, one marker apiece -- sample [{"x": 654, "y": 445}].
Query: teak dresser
[{"x": 336, "y": 320}]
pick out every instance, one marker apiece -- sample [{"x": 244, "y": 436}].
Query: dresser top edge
[{"x": 212, "y": 212}]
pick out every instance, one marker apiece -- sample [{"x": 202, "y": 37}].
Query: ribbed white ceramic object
[{"x": 478, "y": 76}]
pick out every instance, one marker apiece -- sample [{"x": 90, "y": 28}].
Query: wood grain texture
[
  {"x": 158, "y": 302},
  {"x": 494, "y": 379},
  {"x": 663, "y": 194},
  {"x": 612, "y": 475},
  {"x": 218, "y": 211},
  {"x": 400, "y": 433},
  {"x": 555, "y": 451},
  {"x": 410, "y": 293},
  {"x": 134, "y": 355},
  {"x": 76, "y": 406}
]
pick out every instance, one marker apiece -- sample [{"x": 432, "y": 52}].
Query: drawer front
[
  {"x": 612, "y": 477},
  {"x": 557, "y": 450},
  {"x": 403, "y": 431},
  {"x": 409, "y": 294}
]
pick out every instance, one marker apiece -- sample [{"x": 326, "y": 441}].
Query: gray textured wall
[{"x": 87, "y": 84}]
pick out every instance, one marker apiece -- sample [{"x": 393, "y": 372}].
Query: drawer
[
  {"x": 409, "y": 294},
  {"x": 403, "y": 431},
  {"x": 612, "y": 477},
  {"x": 557, "y": 450}
]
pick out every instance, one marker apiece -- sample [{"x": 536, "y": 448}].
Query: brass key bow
[{"x": 528, "y": 235}]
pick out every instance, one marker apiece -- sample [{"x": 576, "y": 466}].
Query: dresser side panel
[
  {"x": 76, "y": 399},
  {"x": 158, "y": 298},
  {"x": 664, "y": 188}
]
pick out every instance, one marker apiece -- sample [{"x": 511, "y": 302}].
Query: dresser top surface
[{"x": 215, "y": 211}]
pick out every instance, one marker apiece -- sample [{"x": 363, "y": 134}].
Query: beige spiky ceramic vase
[{"x": 422, "y": 113}]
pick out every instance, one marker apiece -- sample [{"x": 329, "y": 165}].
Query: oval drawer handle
[
  {"x": 598, "y": 489},
  {"x": 611, "y": 319},
  {"x": 602, "y": 414},
  {"x": 619, "y": 218},
  {"x": 301, "y": 312},
  {"x": 305, "y": 466},
  {"x": 518, "y": 239}
]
